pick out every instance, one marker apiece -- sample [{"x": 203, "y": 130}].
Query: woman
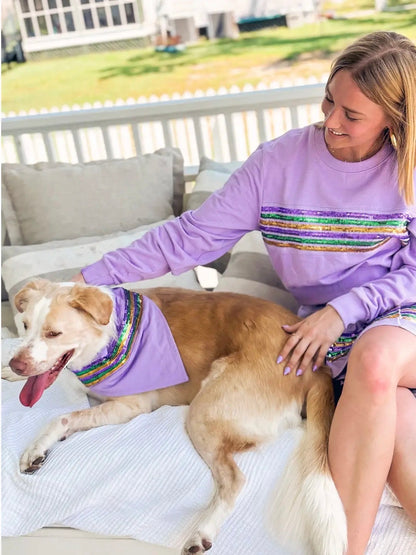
[{"x": 335, "y": 205}]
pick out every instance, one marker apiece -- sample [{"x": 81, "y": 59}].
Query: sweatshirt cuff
[
  {"x": 350, "y": 308},
  {"x": 97, "y": 274}
]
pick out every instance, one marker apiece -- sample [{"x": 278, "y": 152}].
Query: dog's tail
[{"x": 307, "y": 507}]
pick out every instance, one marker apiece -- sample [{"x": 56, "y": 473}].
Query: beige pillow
[{"x": 55, "y": 201}]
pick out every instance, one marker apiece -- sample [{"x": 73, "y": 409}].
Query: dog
[{"x": 222, "y": 348}]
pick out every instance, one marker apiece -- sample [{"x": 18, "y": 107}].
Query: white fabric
[{"x": 143, "y": 479}]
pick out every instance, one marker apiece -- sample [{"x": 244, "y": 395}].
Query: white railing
[{"x": 221, "y": 126}]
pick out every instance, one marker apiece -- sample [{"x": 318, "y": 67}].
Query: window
[
  {"x": 55, "y": 17},
  {"x": 89, "y": 24},
  {"x": 29, "y": 27},
  {"x": 56, "y": 24},
  {"x": 69, "y": 22},
  {"x": 24, "y": 6},
  {"x": 115, "y": 14},
  {"x": 42, "y": 25},
  {"x": 102, "y": 17},
  {"x": 129, "y": 13}
]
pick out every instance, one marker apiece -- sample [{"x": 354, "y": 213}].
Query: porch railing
[{"x": 221, "y": 126}]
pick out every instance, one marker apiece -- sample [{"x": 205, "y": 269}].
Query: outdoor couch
[{"x": 140, "y": 480}]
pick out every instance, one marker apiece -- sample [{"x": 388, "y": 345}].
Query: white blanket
[{"x": 144, "y": 480}]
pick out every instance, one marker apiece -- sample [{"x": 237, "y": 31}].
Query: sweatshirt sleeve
[
  {"x": 196, "y": 237},
  {"x": 366, "y": 302}
]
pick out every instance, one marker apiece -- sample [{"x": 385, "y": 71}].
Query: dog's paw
[
  {"x": 197, "y": 544},
  {"x": 8, "y": 374},
  {"x": 32, "y": 459}
]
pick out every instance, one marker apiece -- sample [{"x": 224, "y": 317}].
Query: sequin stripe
[
  {"x": 322, "y": 237},
  {"x": 341, "y": 346},
  {"x": 296, "y": 227},
  {"x": 327, "y": 220},
  {"x": 325, "y": 247},
  {"x": 120, "y": 344},
  {"x": 97, "y": 372},
  {"x": 407, "y": 312},
  {"x": 354, "y": 229},
  {"x": 121, "y": 341},
  {"x": 106, "y": 370},
  {"x": 332, "y": 216}
]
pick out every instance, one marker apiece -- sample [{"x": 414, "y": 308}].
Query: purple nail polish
[
  {"x": 315, "y": 368},
  {"x": 286, "y": 371},
  {"x": 299, "y": 372},
  {"x": 279, "y": 359}
]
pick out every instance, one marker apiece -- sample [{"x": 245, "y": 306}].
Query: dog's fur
[{"x": 237, "y": 394}]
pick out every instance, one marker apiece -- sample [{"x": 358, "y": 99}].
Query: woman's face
[{"x": 353, "y": 123}]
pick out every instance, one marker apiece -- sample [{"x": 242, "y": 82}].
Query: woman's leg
[
  {"x": 362, "y": 438},
  {"x": 402, "y": 475}
]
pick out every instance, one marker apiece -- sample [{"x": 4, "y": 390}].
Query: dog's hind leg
[
  {"x": 217, "y": 450},
  {"x": 214, "y": 424},
  {"x": 114, "y": 411}
]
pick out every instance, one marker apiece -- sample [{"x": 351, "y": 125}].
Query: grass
[{"x": 262, "y": 56}]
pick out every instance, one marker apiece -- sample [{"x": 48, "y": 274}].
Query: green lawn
[{"x": 266, "y": 56}]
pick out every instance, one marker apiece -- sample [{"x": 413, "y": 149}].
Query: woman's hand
[
  {"x": 310, "y": 340},
  {"x": 78, "y": 278}
]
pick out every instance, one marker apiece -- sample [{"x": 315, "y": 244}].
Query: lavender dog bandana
[{"x": 143, "y": 357}]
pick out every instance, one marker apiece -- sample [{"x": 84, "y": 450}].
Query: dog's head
[{"x": 60, "y": 323}]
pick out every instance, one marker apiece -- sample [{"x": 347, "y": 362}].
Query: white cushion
[{"x": 61, "y": 260}]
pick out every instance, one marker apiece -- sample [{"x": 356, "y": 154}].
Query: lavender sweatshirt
[{"x": 336, "y": 232}]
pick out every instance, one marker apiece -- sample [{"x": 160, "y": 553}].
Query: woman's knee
[{"x": 370, "y": 368}]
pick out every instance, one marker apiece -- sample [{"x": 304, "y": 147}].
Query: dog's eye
[{"x": 53, "y": 333}]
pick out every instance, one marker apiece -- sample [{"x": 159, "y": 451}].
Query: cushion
[
  {"x": 206, "y": 182},
  {"x": 56, "y": 201},
  {"x": 250, "y": 271},
  {"x": 224, "y": 167},
  {"x": 211, "y": 177},
  {"x": 61, "y": 260}
]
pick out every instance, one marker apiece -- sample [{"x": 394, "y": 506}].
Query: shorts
[{"x": 403, "y": 316}]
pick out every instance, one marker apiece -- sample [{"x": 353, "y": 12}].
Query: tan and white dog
[{"x": 238, "y": 395}]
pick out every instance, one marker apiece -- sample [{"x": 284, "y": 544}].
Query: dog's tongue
[{"x": 33, "y": 389}]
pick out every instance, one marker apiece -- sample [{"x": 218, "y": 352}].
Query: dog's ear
[
  {"x": 23, "y": 296},
  {"x": 93, "y": 301}
]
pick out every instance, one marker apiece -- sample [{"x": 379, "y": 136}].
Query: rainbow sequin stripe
[
  {"x": 341, "y": 347},
  {"x": 407, "y": 312},
  {"x": 101, "y": 369},
  {"x": 320, "y": 230},
  {"x": 343, "y": 344}
]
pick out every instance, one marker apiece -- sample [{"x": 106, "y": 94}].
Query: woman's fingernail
[
  {"x": 299, "y": 372},
  {"x": 285, "y": 326},
  {"x": 315, "y": 368},
  {"x": 279, "y": 359},
  {"x": 286, "y": 371}
]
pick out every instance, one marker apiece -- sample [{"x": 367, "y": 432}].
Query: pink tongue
[{"x": 33, "y": 389}]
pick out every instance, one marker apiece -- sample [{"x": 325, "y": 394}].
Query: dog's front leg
[{"x": 115, "y": 411}]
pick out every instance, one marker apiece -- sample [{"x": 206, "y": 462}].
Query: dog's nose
[{"x": 18, "y": 365}]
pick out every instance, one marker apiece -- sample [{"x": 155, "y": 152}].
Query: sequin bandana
[{"x": 142, "y": 358}]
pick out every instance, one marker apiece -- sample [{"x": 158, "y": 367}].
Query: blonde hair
[{"x": 383, "y": 65}]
